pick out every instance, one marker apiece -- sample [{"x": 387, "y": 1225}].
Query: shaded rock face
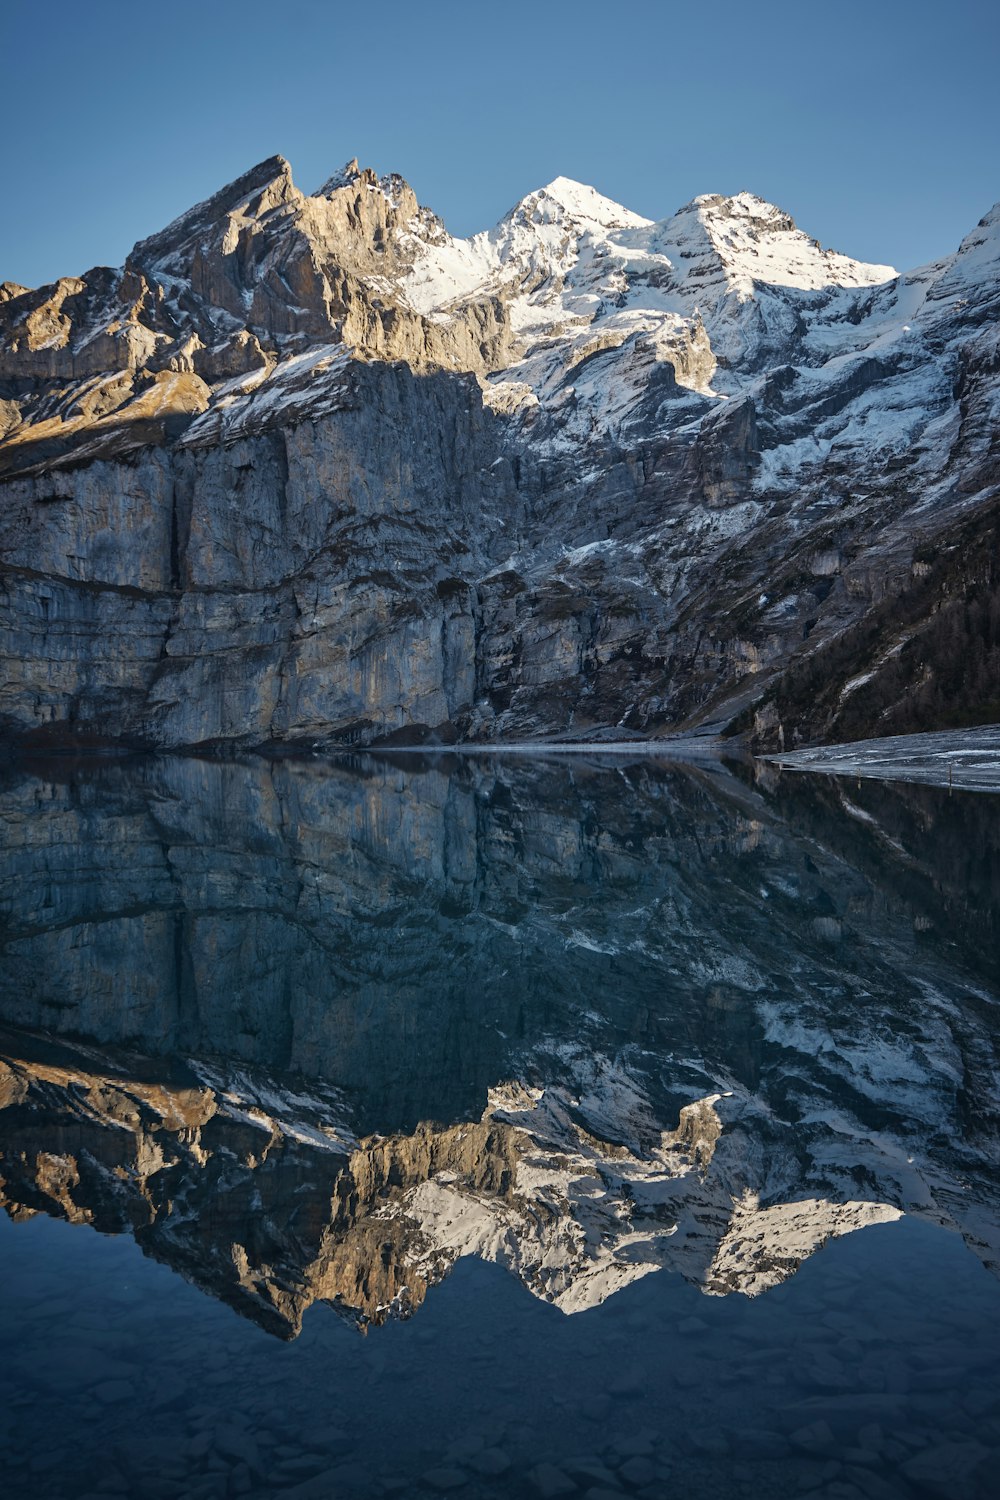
[
  {"x": 924, "y": 657},
  {"x": 315, "y": 1036},
  {"x": 289, "y": 585},
  {"x": 307, "y": 469}
]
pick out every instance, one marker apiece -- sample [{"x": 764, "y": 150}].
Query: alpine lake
[{"x": 496, "y": 1126}]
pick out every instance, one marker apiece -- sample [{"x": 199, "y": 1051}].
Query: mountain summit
[{"x": 582, "y": 473}]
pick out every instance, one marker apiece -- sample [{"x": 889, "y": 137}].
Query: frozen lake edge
[{"x": 964, "y": 758}]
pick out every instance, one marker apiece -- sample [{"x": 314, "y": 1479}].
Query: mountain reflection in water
[{"x": 316, "y": 1033}]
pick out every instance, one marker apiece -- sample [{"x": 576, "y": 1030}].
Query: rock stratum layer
[{"x": 309, "y": 470}]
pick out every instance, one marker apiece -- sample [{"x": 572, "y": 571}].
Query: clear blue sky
[{"x": 876, "y": 123}]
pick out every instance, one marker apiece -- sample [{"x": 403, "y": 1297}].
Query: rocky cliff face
[{"x": 307, "y": 469}]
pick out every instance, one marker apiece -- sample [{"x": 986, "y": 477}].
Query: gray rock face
[
  {"x": 301, "y": 582},
  {"x": 309, "y": 470}
]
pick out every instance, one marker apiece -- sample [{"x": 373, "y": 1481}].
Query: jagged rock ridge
[{"x": 308, "y": 468}]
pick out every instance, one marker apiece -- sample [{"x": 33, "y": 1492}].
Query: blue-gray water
[{"x": 496, "y": 1128}]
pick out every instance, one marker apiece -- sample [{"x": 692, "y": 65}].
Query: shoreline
[{"x": 960, "y": 759}]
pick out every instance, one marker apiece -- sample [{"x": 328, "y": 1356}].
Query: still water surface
[{"x": 496, "y": 1128}]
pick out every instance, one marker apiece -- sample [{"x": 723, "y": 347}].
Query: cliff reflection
[{"x": 313, "y": 1032}]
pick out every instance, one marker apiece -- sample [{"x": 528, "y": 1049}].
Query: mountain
[{"x": 307, "y": 469}]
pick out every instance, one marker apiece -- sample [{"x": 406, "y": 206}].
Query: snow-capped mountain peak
[
  {"x": 758, "y": 243},
  {"x": 721, "y": 281},
  {"x": 564, "y": 198}
]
